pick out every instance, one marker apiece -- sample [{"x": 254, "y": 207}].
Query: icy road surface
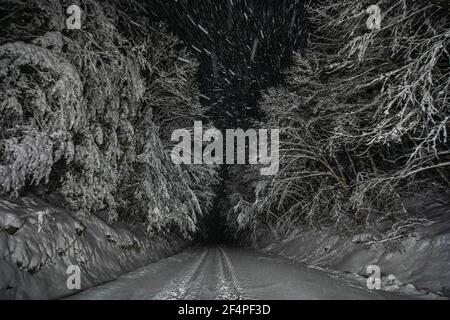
[{"x": 226, "y": 273}]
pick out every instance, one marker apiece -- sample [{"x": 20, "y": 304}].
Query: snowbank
[
  {"x": 417, "y": 263},
  {"x": 38, "y": 242}
]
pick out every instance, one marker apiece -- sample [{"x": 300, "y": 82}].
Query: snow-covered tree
[
  {"x": 87, "y": 113},
  {"x": 365, "y": 115}
]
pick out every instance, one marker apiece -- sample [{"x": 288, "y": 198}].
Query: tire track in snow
[
  {"x": 224, "y": 285},
  {"x": 236, "y": 292},
  {"x": 203, "y": 284},
  {"x": 179, "y": 286},
  {"x": 215, "y": 279}
]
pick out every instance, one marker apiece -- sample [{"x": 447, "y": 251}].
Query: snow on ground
[
  {"x": 417, "y": 263},
  {"x": 39, "y": 242},
  {"x": 208, "y": 273}
]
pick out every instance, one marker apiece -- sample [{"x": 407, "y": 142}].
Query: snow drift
[
  {"x": 416, "y": 260},
  {"x": 35, "y": 252}
]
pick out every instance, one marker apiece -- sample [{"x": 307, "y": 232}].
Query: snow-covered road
[{"x": 228, "y": 273}]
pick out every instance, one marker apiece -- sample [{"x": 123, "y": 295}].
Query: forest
[{"x": 87, "y": 117}]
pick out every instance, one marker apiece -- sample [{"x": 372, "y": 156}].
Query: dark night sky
[{"x": 243, "y": 47}]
